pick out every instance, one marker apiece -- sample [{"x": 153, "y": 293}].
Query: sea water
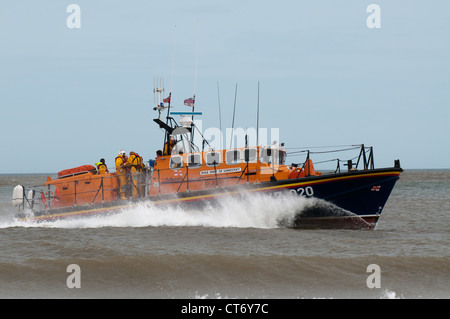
[{"x": 235, "y": 250}]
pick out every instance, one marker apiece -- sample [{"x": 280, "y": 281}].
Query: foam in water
[
  {"x": 246, "y": 211},
  {"x": 388, "y": 294}
]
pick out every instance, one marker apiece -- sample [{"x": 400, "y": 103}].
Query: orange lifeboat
[{"x": 184, "y": 174}]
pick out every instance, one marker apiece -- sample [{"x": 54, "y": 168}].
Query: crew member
[
  {"x": 151, "y": 162},
  {"x": 101, "y": 167},
  {"x": 135, "y": 164},
  {"x": 122, "y": 174},
  {"x": 168, "y": 146}
]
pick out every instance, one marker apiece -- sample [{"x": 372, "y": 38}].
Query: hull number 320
[{"x": 307, "y": 191}]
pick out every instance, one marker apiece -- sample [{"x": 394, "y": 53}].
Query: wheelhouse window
[
  {"x": 233, "y": 157},
  {"x": 250, "y": 155},
  {"x": 282, "y": 157},
  {"x": 265, "y": 155},
  {"x": 213, "y": 159},
  {"x": 269, "y": 155},
  {"x": 194, "y": 160},
  {"x": 176, "y": 162}
]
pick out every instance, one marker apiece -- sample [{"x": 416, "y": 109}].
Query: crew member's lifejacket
[
  {"x": 135, "y": 161},
  {"x": 168, "y": 146},
  {"x": 101, "y": 168},
  {"x": 120, "y": 161}
]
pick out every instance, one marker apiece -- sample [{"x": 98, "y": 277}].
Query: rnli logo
[{"x": 376, "y": 188}]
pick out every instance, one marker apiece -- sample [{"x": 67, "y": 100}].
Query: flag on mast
[
  {"x": 190, "y": 101},
  {"x": 167, "y": 99}
]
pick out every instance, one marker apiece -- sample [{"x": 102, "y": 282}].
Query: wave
[
  {"x": 245, "y": 211},
  {"x": 228, "y": 276}
]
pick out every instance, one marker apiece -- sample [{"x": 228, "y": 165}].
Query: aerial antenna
[
  {"x": 220, "y": 116},
  {"x": 196, "y": 61},
  {"x": 158, "y": 89},
  {"x": 257, "y": 119},
  {"x": 195, "y": 83},
  {"x": 169, "y": 98},
  {"x": 234, "y": 111},
  {"x": 173, "y": 57}
]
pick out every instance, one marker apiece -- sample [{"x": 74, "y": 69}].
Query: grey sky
[{"x": 71, "y": 96}]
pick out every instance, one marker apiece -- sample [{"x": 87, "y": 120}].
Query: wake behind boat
[{"x": 185, "y": 175}]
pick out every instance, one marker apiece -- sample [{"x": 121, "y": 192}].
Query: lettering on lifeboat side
[
  {"x": 221, "y": 171},
  {"x": 307, "y": 191}
]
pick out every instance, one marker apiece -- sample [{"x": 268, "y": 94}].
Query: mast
[
  {"x": 195, "y": 85},
  {"x": 170, "y": 126},
  {"x": 257, "y": 119},
  {"x": 234, "y": 111},
  {"x": 158, "y": 90},
  {"x": 220, "y": 116}
]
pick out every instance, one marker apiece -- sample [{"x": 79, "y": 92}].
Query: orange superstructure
[{"x": 214, "y": 169}]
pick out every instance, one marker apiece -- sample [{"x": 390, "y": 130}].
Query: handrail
[
  {"x": 103, "y": 194},
  {"x": 365, "y": 157}
]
